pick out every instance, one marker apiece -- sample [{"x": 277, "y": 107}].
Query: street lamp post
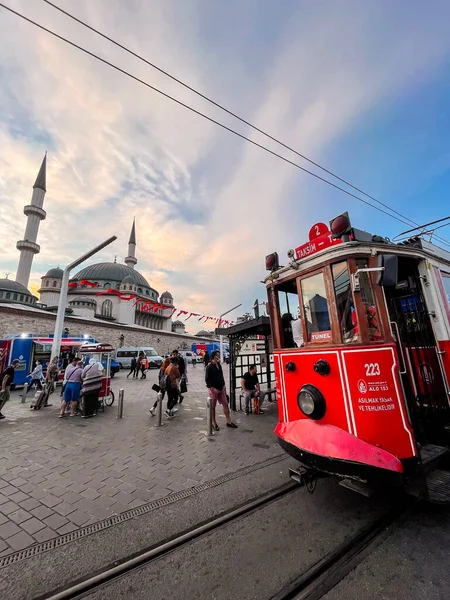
[
  {"x": 221, "y": 336},
  {"x": 56, "y": 346}
]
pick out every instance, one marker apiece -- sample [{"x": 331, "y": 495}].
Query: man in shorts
[{"x": 215, "y": 383}]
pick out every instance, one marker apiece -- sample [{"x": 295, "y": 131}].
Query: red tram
[{"x": 361, "y": 330}]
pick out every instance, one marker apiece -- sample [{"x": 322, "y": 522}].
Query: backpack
[{"x": 164, "y": 380}]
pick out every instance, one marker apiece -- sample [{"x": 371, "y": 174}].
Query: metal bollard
[
  {"x": 159, "y": 422},
  {"x": 209, "y": 429},
  {"x": 120, "y": 404},
  {"x": 24, "y": 395}
]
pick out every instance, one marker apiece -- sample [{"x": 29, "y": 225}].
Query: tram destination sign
[{"x": 320, "y": 238}]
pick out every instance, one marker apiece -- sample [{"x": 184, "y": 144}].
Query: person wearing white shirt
[{"x": 36, "y": 377}]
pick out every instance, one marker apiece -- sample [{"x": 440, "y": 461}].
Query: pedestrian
[
  {"x": 36, "y": 377},
  {"x": 51, "y": 378},
  {"x": 206, "y": 359},
  {"x": 133, "y": 368},
  {"x": 91, "y": 377},
  {"x": 251, "y": 388},
  {"x": 182, "y": 370},
  {"x": 215, "y": 383},
  {"x": 171, "y": 386},
  {"x": 144, "y": 366},
  {"x": 72, "y": 377},
  {"x": 6, "y": 379},
  {"x": 161, "y": 381},
  {"x": 194, "y": 359}
]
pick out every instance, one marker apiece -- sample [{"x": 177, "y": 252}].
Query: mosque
[{"x": 82, "y": 298}]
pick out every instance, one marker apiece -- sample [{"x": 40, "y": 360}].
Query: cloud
[{"x": 208, "y": 206}]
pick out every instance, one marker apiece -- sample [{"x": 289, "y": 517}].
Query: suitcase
[{"x": 40, "y": 397}]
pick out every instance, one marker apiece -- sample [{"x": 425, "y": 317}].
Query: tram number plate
[{"x": 372, "y": 369}]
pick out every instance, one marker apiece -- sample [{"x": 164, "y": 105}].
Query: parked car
[{"x": 125, "y": 354}]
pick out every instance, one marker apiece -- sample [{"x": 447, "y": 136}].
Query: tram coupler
[{"x": 299, "y": 475}]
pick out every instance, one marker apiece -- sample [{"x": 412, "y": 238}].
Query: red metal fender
[{"x": 333, "y": 442}]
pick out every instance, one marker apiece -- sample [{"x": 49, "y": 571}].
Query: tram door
[{"x": 421, "y": 371}]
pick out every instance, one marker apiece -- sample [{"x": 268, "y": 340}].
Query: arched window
[
  {"x": 47, "y": 283},
  {"x": 21, "y": 297},
  {"x": 146, "y": 292},
  {"x": 139, "y": 290},
  {"x": 54, "y": 284},
  {"x": 107, "y": 307},
  {"x": 130, "y": 287},
  {"x": 107, "y": 285}
]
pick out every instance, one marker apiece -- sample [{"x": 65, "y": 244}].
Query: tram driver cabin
[{"x": 361, "y": 330}]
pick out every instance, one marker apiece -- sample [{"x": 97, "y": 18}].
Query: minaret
[
  {"x": 35, "y": 213},
  {"x": 131, "y": 259}
]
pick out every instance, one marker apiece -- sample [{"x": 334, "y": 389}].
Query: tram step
[
  {"x": 438, "y": 484},
  {"x": 431, "y": 453}
]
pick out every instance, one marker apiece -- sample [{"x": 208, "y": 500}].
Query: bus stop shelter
[{"x": 258, "y": 332}]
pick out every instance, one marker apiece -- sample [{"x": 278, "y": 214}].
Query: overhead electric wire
[
  {"x": 228, "y": 111},
  {"x": 203, "y": 115}
]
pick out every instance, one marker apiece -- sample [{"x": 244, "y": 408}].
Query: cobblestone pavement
[{"x": 57, "y": 475}]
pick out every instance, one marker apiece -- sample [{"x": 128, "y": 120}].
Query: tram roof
[
  {"x": 260, "y": 326},
  {"x": 414, "y": 247}
]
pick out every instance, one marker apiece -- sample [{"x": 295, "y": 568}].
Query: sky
[{"x": 362, "y": 88}]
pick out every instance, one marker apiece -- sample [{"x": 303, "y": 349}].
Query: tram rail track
[{"x": 312, "y": 584}]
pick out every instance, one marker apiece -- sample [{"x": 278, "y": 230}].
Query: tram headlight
[{"x": 311, "y": 402}]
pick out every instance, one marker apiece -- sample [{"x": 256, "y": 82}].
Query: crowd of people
[{"x": 82, "y": 385}]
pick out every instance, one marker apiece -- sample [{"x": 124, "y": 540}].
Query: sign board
[{"x": 318, "y": 243}]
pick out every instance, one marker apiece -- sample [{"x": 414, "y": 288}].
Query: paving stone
[
  {"x": 44, "y": 535},
  {"x": 64, "y": 508},
  {"x": 29, "y": 504},
  {"x": 3, "y": 547},
  {"x": 3, "y": 499},
  {"x": 55, "y": 521},
  {"x": 18, "y": 482},
  {"x": 9, "y": 507},
  {"x": 18, "y": 516},
  {"x": 101, "y": 512},
  {"x": 50, "y": 501},
  {"x": 8, "y": 529},
  {"x": 3, "y": 483},
  {"x": 42, "y": 512},
  {"x": 20, "y": 541},
  {"x": 109, "y": 491},
  {"x": 32, "y": 525},
  {"x": 68, "y": 528},
  {"x": 27, "y": 488},
  {"x": 18, "y": 497},
  {"x": 90, "y": 494},
  {"x": 3, "y": 519},
  {"x": 8, "y": 490},
  {"x": 78, "y": 517},
  {"x": 70, "y": 498}
]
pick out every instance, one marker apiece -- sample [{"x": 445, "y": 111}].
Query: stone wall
[{"x": 15, "y": 320}]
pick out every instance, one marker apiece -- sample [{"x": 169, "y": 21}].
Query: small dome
[
  {"x": 56, "y": 273},
  {"x": 13, "y": 286},
  {"x": 167, "y": 295},
  {"x": 128, "y": 279},
  {"x": 83, "y": 299},
  {"x": 203, "y": 333},
  {"x": 178, "y": 323}
]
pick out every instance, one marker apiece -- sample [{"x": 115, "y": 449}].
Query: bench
[{"x": 267, "y": 392}]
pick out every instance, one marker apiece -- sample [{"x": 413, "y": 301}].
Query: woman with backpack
[
  {"x": 161, "y": 383},
  {"x": 171, "y": 381}
]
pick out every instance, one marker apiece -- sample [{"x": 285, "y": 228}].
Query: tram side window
[
  {"x": 344, "y": 302},
  {"x": 368, "y": 300},
  {"x": 446, "y": 281},
  {"x": 289, "y": 304},
  {"x": 315, "y": 304}
]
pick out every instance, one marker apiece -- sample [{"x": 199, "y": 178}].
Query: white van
[
  {"x": 188, "y": 356},
  {"x": 125, "y": 354}
]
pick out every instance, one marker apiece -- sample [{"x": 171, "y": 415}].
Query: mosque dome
[
  {"x": 167, "y": 295},
  {"x": 111, "y": 271},
  {"x": 56, "y": 273},
  {"x": 128, "y": 279},
  {"x": 13, "y": 291}
]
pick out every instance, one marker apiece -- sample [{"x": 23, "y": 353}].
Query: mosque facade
[{"x": 109, "y": 278}]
